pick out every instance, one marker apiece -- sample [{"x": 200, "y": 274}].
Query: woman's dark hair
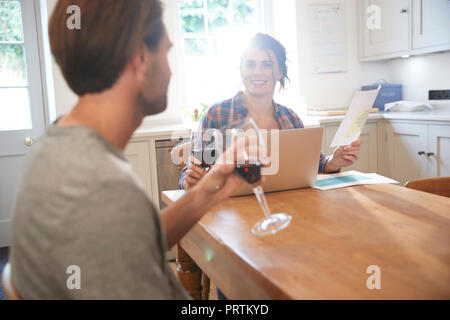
[{"x": 265, "y": 42}]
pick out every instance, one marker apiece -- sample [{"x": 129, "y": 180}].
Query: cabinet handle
[
  {"x": 421, "y": 153},
  {"x": 421, "y": 17},
  {"x": 404, "y": 10},
  {"x": 430, "y": 154}
]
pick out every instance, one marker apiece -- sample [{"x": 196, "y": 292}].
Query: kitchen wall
[
  {"x": 421, "y": 73},
  {"x": 283, "y": 22},
  {"x": 290, "y": 25},
  {"x": 65, "y": 99},
  {"x": 333, "y": 90},
  {"x": 291, "y": 28}
]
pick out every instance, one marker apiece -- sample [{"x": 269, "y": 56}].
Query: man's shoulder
[
  {"x": 72, "y": 149},
  {"x": 81, "y": 163}
]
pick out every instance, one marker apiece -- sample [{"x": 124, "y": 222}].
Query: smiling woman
[{"x": 263, "y": 64}]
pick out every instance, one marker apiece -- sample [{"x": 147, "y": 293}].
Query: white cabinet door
[
  {"x": 438, "y": 152},
  {"x": 138, "y": 156},
  {"x": 368, "y": 155},
  {"x": 406, "y": 151},
  {"x": 431, "y": 23},
  {"x": 368, "y": 159},
  {"x": 394, "y": 32}
]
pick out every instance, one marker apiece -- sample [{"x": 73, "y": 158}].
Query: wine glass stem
[{"x": 259, "y": 193}]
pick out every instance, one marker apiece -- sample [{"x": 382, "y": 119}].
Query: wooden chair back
[
  {"x": 8, "y": 286},
  {"x": 439, "y": 185}
]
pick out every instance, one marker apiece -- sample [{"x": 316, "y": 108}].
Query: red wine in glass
[
  {"x": 249, "y": 172},
  {"x": 250, "y": 145}
]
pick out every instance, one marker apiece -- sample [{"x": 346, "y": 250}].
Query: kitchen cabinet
[
  {"x": 167, "y": 172},
  {"x": 416, "y": 151},
  {"x": 406, "y": 145},
  {"x": 438, "y": 151},
  {"x": 368, "y": 155},
  {"x": 137, "y": 153},
  {"x": 431, "y": 23},
  {"x": 391, "y": 29},
  {"x": 392, "y": 33}
]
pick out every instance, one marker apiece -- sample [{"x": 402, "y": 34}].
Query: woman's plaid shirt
[{"x": 234, "y": 109}]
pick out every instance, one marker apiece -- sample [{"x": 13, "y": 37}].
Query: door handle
[
  {"x": 28, "y": 141},
  {"x": 421, "y": 153}
]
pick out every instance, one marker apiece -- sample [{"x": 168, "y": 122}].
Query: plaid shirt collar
[{"x": 239, "y": 107}]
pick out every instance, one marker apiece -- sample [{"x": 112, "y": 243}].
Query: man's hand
[
  {"x": 220, "y": 182},
  {"x": 217, "y": 184},
  {"x": 194, "y": 173},
  {"x": 344, "y": 156}
]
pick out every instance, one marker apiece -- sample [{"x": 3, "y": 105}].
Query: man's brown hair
[{"x": 93, "y": 57}]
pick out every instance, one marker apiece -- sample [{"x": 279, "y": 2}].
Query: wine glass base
[{"x": 271, "y": 225}]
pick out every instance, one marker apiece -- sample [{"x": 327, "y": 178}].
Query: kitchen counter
[
  {"x": 165, "y": 130},
  {"x": 440, "y": 113},
  {"x": 435, "y": 115},
  {"x": 332, "y": 119},
  {"x": 185, "y": 129}
]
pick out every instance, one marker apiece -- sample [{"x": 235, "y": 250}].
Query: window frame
[{"x": 33, "y": 70}]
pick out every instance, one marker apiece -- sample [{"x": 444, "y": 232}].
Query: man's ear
[{"x": 142, "y": 62}]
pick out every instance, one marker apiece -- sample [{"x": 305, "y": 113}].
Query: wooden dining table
[{"x": 362, "y": 242}]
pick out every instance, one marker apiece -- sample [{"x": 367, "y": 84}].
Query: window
[
  {"x": 214, "y": 33},
  {"x": 13, "y": 74}
]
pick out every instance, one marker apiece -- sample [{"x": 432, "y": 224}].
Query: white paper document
[
  {"x": 355, "y": 119},
  {"x": 328, "y": 38},
  {"x": 348, "y": 178}
]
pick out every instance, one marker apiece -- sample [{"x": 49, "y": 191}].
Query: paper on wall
[
  {"x": 355, "y": 119},
  {"x": 328, "y": 38},
  {"x": 347, "y": 179}
]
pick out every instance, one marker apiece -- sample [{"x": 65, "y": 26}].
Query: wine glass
[
  {"x": 251, "y": 156},
  {"x": 205, "y": 146}
]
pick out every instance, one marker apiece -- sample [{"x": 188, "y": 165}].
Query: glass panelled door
[{"x": 21, "y": 99}]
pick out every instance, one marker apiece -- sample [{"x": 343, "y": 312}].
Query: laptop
[{"x": 298, "y": 161}]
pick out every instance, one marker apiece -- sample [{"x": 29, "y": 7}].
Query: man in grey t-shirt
[{"x": 80, "y": 210}]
